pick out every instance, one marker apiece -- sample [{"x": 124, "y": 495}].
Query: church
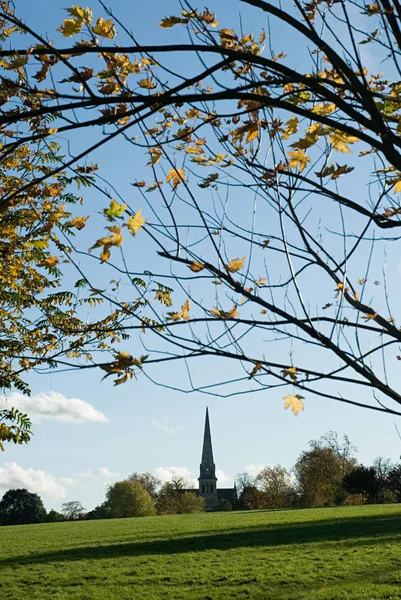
[{"x": 207, "y": 476}]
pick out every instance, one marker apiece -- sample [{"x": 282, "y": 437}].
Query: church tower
[{"x": 207, "y": 476}]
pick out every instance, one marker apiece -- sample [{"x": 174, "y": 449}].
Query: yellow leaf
[
  {"x": 70, "y": 27},
  {"x": 82, "y": 14},
  {"x": 369, "y": 317},
  {"x": 340, "y": 140},
  {"x": 235, "y": 264},
  {"x": 135, "y": 223},
  {"x": 291, "y": 371},
  {"x": 397, "y": 187},
  {"x": 105, "y": 254},
  {"x": 261, "y": 281},
  {"x": 295, "y": 402},
  {"x": 222, "y": 314},
  {"x": 104, "y": 28},
  {"x": 50, "y": 261},
  {"x": 291, "y": 127},
  {"x": 171, "y": 21},
  {"x": 299, "y": 159},
  {"x": 323, "y": 109},
  {"x": 253, "y": 132},
  {"x": 216, "y": 282},
  {"x": 263, "y": 311},
  {"x": 196, "y": 266},
  {"x": 115, "y": 210},
  {"x": 176, "y": 176},
  {"x": 78, "y": 222},
  {"x": 147, "y": 83},
  {"x": 174, "y": 316}
]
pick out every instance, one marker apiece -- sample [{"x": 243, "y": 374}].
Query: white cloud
[
  {"x": 66, "y": 480},
  {"x": 168, "y": 473},
  {"x": 167, "y": 428},
  {"x": 34, "y": 480},
  {"x": 100, "y": 473},
  {"x": 222, "y": 477},
  {"x": 254, "y": 469},
  {"x": 54, "y": 406}
]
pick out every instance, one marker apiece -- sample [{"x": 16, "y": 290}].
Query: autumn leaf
[
  {"x": 196, "y": 266},
  {"x": 255, "y": 370},
  {"x": 171, "y": 21},
  {"x": 175, "y": 316},
  {"x": 135, "y": 223},
  {"x": 50, "y": 261},
  {"x": 222, "y": 314},
  {"x": 291, "y": 127},
  {"x": 78, "y": 222},
  {"x": 291, "y": 372},
  {"x": 70, "y": 27},
  {"x": 261, "y": 281},
  {"x": 147, "y": 83},
  {"x": 368, "y": 317},
  {"x": 298, "y": 159},
  {"x": 104, "y": 28},
  {"x": 115, "y": 210},
  {"x": 82, "y": 14},
  {"x": 176, "y": 176},
  {"x": 235, "y": 264},
  {"x": 295, "y": 403}
]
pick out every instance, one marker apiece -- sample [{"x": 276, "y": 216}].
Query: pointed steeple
[
  {"x": 207, "y": 451},
  {"x": 207, "y": 472}
]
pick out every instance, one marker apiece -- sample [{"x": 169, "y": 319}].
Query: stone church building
[{"x": 207, "y": 475}]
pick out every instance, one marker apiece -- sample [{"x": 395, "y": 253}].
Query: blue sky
[{"x": 98, "y": 433}]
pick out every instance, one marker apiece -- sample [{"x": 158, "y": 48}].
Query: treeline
[
  {"x": 140, "y": 495},
  {"x": 327, "y": 474}
]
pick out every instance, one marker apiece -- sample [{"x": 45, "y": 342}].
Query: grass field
[{"x": 349, "y": 552}]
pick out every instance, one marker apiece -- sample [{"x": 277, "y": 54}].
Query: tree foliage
[
  {"x": 20, "y": 507},
  {"x": 269, "y": 188},
  {"x": 72, "y": 510},
  {"x": 321, "y": 469},
  {"x": 129, "y": 499}
]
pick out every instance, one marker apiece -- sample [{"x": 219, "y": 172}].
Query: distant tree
[
  {"x": 321, "y": 470},
  {"x": 244, "y": 480},
  {"x": 54, "y": 517},
  {"x": 72, "y": 510},
  {"x": 191, "y": 503},
  {"x": 362, "y": 480},
  {"x": 99, "y": 512},
  {"x": 382, "y": 467},
  {"x": 149, "y": 482},
  {"x": 129, "y": 499},
  {"x": 275, "y": 483},
  {"x": 224, "y": 505},
  {"x": 394, "y": 481},
  {"x": 180, "y": 483},
  {"x": 168, "y": 500},
  {"x": 251, "y": 499},
  {"x": 19, "y": 507}
]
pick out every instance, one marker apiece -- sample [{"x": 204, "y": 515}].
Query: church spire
[
  {"x": 207, "y": 472},
  {"x": 207, "y": 451}
]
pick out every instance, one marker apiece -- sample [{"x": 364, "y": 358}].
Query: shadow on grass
[{"x": 352, "y": 531}]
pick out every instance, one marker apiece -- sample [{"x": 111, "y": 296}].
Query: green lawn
[{"x": 349, "y": 552}]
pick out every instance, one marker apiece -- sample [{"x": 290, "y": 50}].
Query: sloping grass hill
[{"x": 340, "y": 553}]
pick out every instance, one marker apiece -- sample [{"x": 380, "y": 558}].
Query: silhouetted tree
[
  {"x": 19, "y": 507},
  {"x": 72, "y": 510}
]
